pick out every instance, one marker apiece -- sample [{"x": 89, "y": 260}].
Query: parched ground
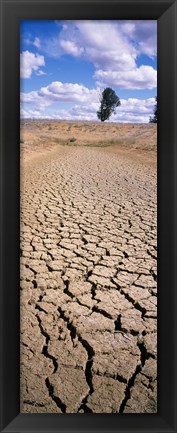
[{"x": 88, "y": 268}]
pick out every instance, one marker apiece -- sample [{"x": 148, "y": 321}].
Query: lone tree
[
  {"x": 154, "y": 118},
  {"x": 109, "y": 101}
]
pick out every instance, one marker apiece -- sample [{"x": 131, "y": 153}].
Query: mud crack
[
  {"x": 45, "y": 347},
  {"x": 130, "y": 384},
  {"x": 56, "y": 399},
  {"x": 89, "y": 363}
]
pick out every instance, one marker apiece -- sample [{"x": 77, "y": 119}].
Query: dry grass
[{"x": 44, "y": 135}]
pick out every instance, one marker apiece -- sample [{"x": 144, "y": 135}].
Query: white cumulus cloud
[
  {"x": 60, "y": 92},
  {"x": 30, "y": 62},
  {"x": 138, "y": 78},
  {"x": 134, "y": 110},
  {"x": 71, "y": 48},
  {"x": 113, "y": 47},
  {"x": 84, "y": 104},
  {"x": 143, "y": 33}
]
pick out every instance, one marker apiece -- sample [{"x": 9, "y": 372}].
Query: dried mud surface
[{"x": 88, "y": 283}]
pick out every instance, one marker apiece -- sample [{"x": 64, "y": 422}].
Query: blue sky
[{"x": 64, "y": 65}]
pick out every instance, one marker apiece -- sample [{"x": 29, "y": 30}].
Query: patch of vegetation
[
  {"x": 62, "y": 141},
  {"x": 72, "y": 139},
  {"x": 106, "y": 143},
  {"x": 59, "y": 141},
  {"x": 21, "y": 140}
]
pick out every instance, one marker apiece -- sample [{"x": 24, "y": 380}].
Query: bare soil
[{"x": 88, "y": 267}]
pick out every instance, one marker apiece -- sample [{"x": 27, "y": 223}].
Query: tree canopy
[
  {"x": 109, "y": 101},
  {"x": 154, "y": 118}
]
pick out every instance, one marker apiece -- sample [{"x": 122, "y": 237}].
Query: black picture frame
[{"x": 166, "y": 14}]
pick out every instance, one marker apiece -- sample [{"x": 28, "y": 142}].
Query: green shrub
[{"x": 72, "y": 139}]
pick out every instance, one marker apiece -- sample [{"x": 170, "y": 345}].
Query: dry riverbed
[{"x": 88, "y": 268}]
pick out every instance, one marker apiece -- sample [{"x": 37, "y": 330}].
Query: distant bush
[
  {"x": 72, "y": 139},
  {"x": 154, "y": 118},
  {"x": 49, "y": 128},
  {"x": 21, "y": 140}
]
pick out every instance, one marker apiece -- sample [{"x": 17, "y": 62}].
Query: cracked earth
[{"x": 88, "y": 283}]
